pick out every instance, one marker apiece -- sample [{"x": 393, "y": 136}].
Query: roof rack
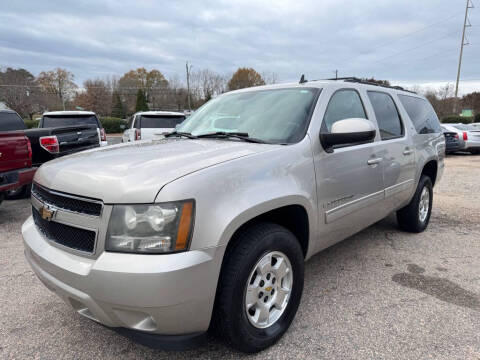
[{"x": 364, "y": 81}]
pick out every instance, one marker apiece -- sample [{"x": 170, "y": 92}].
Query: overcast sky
[{"x": 408, "y": 41}]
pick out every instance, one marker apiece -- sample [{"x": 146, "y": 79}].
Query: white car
[
  {"x": 147, "y": 125},
  {"x": 470, "y": 135}
]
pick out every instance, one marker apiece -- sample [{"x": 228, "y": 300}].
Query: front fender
[{"x": 229, "y": 194}]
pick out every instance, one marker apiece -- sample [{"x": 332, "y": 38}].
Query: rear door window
[
  {"x": 386, "y": 114},
  {"x": 149, "y": 121},
  {"x": 10, "y": 121},
  {"x": 344, "y": 104},
  {"x": 65, "y": 120},
  {"x": 421, "y": 113}
]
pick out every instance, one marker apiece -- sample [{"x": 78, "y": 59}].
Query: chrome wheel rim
[
  {"x": 268, "y": 289},
  {"x": 424, "y": 204}
]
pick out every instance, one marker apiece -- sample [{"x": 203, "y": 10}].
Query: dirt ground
[{"x": 381, "y": 294}]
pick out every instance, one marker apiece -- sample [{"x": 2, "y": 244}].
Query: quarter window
[
  {"x": 386, "y": 114},
  {"x": 344, "y": 104},
  {"x": 421, "y": 113}
]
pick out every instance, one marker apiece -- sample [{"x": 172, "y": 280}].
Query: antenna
[{"x": 302, "y": 79}]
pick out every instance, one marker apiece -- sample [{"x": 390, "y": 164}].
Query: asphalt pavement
[{"x": 381, "y": 294}]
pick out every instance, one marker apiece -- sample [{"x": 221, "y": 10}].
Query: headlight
[{"x": 151, "y": 229}]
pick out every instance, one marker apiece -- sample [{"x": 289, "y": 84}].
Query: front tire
[
  {"x": 260, "y": 287},
  {"x": 416, "y": 215}
]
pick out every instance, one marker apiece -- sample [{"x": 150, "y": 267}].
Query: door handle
[
  {"x": 374, "y": 161},
  {"x": 407, "y": 152}
]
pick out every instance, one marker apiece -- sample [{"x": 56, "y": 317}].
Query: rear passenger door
[
  {"x": 396, "y": 150},
  {"x": 349, "y": 179}
]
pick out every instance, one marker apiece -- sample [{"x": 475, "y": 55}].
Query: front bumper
[{"x": 156, "y": 294}]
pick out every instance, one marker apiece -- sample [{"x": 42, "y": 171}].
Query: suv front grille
[
  {"x": 92, "y": 207},
  {"x": 69, "y": 236}
]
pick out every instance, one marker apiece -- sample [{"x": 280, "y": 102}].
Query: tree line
[
  {"x": 141, "y": 89},
  {"x": 136, "y": 90}
]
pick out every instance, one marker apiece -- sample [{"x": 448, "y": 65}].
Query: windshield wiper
[
  {"x": 180, "y": 134},
  {"x": 237, "y": 135}
]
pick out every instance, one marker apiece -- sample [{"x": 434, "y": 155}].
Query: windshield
[
  {"x": 277, "y": 115},
  {"x": 464, "y": 127},
  {"x": 160, "y": 121},
  {"x": 65, "y": 120}
]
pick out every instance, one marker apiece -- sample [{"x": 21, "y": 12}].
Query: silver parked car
[
  {"x": 468, "y": 134},
  {"x": 212, "y": 224}
]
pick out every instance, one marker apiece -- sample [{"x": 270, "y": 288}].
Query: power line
[
  {"x": 417, "y": 31},
  {"x": 414, "y": 48},
  {"x": 409, "y": 34}
]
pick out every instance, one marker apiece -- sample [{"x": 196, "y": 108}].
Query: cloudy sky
[{"x": 408, "y": 41}]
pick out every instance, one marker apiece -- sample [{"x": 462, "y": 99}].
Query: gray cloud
[{"x": 362, "y": 38}]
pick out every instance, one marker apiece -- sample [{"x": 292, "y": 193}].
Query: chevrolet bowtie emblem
[
  {"x": 268, "y": 288},
  {"x": 47, "y": 212}
]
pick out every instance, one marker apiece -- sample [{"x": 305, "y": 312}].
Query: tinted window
[
  {"x": 421, "y": 113},
  {"x": 344, "y": 104},
  {"x": 10, "y": 121},
  {"x": 57, "y": 121},
  {"x": 150, "y": 121},
  {"x": 387, "y": 115}
]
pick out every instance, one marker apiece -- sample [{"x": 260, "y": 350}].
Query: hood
[{"x": 135, "y": 172}]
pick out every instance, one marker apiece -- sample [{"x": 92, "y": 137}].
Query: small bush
[
  {"x": 113, "y": 125},
  {"x": 456, "y": 119},
  {"x": 31, "y": 123},
  {"x": 477, "y": 118}
]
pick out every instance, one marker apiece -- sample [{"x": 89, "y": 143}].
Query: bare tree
[
  {"x": 58, "y": 82},
  {"x": 97, "y": 97},
  {"x": 270, "y": 77}
]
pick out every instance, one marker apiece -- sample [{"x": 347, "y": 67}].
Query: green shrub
[
  {"x": 31, "y": 123},
  {"x": 477, "y": 118},
  {"x": 113, "y": 125},
  {"x": 456, "y": 119}
]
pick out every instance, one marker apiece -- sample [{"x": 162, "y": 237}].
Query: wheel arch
[{"x": 430, "y": 169}]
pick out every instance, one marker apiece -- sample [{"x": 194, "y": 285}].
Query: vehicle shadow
[{"x": 321, "y": 271}]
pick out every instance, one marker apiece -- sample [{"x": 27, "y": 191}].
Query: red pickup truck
[{"x": 15, "y": 155}]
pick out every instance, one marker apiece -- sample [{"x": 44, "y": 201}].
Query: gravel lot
[{"x": 381, "y": 294}]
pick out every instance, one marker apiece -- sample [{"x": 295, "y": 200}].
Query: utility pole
[
  {"x": 468, "y": 6},
  {"x": 188, "y": 84},
  {"x": 336, "y": 74}
]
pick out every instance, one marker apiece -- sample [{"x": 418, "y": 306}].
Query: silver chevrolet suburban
[{"x": 210, "y": 227}]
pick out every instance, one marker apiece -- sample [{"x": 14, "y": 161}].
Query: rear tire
[
  {"x": 415, "y": 216},
  {"x": 256, "y": 302}
]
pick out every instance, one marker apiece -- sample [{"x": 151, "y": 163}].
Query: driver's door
[{"x": 349, "y": 180}]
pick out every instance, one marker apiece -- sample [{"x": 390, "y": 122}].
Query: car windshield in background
[
  {"x": 160, "y": 121},
  {"x": 276, "y": 115},
  {"x": 57, "y": 121},
  {"x": 465, "y": 127}
]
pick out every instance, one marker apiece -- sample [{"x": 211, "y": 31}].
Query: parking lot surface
[{"x": 381, "y": 294}]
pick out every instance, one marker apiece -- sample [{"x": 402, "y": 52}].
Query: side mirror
[{"x": 348, "y": 132}]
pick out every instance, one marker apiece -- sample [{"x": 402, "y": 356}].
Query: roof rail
[{"x": 365, "y": 81}]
